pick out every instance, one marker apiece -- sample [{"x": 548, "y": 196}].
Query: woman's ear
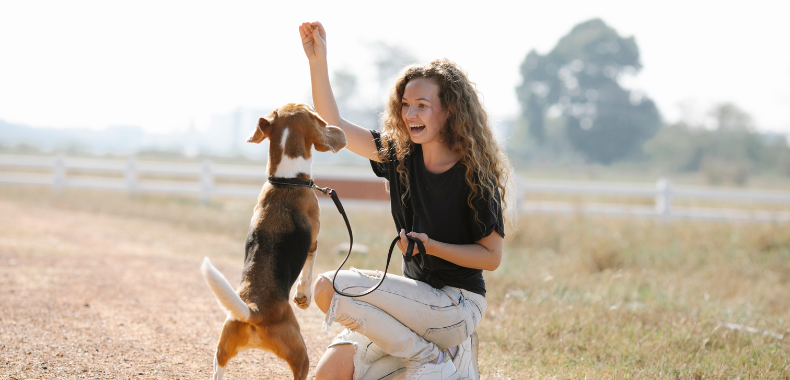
[{"x": 263, "y": 129}]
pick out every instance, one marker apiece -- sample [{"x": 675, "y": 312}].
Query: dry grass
[
  {"x": 575, "y": 297},
  {"x": 636, "y": 298}
]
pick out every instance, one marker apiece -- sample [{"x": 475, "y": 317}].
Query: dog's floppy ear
[
  {"x": 333, "y": 139},
  {"x": 330, "y": 137},
  {"x": 264, "y": 128}
]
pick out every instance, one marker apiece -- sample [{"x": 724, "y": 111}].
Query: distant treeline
[
  {"x": 574, "y": 110},
  {"x": 730, "y": 152}
]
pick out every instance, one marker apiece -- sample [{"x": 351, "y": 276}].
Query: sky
[{"x": 167, "y": 65}]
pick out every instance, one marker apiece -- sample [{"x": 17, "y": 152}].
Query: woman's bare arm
[
  {"x": 485, "y": 253},
  {"x": 359, "y": 140}
]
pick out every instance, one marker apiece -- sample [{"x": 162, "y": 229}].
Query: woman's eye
[
  {"x": 423, "y": 106},
  {"x": 404, "y": 104}
]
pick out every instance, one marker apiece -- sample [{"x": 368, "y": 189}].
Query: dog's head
[{"x": 292, "y": 131}]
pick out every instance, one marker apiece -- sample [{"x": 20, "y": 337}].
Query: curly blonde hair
[{"x": 466, "y": 131}]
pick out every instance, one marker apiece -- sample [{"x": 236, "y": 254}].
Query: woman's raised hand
[{"x": 313, "y": 39}]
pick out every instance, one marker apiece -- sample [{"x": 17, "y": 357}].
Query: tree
[
  {"x": 579, "y": 81},
  {"x": 728, "y": 151},
  {"x": 728, "y": 117},
  {"x": 390, "y": 60}
]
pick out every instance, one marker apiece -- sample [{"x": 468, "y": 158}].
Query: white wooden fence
[
  {"x": 188, "y": 178},
  {"x": 201, "y": 179},
  {"x": 663, "y": 194}
]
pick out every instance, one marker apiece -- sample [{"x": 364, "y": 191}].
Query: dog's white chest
[{"x": 290, "y": 166}]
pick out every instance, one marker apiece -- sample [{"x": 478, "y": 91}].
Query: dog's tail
[{"x": 226, "y": 296}]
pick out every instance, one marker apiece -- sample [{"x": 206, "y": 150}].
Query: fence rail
[{"x": 207, "y": 180}]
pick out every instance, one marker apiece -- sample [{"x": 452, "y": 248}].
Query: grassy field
[
  {"x": 636, "y": 298},
  {"x": 576, "y": 296}
]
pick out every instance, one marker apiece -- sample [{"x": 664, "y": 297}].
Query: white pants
[{"x": 403, "y": 319}]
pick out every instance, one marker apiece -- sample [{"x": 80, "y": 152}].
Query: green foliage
[
  {"x": 578, "y": 80},
  {"x": 728, "y": 117},
  {"x": 727, "y": 153}
]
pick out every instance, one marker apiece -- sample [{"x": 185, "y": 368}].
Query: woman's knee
[
  {"x": 323, "y": 292},
  {"x": 337, "y": 363}
]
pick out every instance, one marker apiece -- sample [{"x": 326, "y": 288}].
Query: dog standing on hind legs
[{"x": 280, "y": 246}]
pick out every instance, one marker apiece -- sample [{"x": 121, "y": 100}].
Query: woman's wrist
[
  {"x": 317, "y": 62},
  {"x": 427, "y": 244}
]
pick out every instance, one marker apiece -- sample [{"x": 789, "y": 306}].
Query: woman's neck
[{"x": 438, "y": 158}]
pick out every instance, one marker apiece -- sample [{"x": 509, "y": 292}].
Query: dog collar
[{"x": 291, "y": 181}]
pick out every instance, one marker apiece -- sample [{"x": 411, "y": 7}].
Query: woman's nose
[{"x": 409, "y": 113}]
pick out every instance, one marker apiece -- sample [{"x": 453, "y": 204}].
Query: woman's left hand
[{"x": 403, "y": 243}]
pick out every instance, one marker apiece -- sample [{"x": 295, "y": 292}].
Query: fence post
[
  {"x": 131, "y": 176},
  {"x": 520, "y": 192},
  {"x": 59, "y": 174},
  {"x": 206, "y": 181},
  {"x": 664, "y": 197}
]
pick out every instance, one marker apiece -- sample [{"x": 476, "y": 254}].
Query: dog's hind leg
[
  {"x": 235, "y": 335},
  {"x": 303, "y": 294},
  {"x": 219, "y": 371},
  {"x": 284, "y": 339}
]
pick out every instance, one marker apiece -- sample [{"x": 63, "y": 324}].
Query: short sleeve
[
  {"x": 381, "y": 169},
  {"x": 489, "y": 217}
]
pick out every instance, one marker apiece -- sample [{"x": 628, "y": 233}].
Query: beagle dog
[{"x": 280, "y": 246}]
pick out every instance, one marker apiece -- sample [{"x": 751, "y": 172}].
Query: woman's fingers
[
  {"x": 307, "y": 38},
  {"x": 321, "y": 30},
  {"x": 319, "y": 36},
  {"x": 421, "y": 237},
  {"x": 304, "y": 31},
  {"x": 313, "y": 39},
  {"x": 402, "y": 243}
]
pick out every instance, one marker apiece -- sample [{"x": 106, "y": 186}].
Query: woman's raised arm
[{"x": 359, "y": 139}]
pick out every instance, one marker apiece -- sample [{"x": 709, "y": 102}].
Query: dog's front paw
[{"x": 302, "y": 299}]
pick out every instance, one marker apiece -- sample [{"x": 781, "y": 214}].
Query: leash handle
[
  {"x": 412, "y": 241},
  {"x": 410, "y": 248}
]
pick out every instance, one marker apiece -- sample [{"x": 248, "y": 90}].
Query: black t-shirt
[{"x": 437, "y": 204}]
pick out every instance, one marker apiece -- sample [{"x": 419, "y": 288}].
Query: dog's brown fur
[{"x": 280, "y": 243}]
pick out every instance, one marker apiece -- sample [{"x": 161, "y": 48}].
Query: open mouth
[{"x": 417, "y": 128}]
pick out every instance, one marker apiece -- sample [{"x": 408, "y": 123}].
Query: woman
[{"x": 446, "y": 174}]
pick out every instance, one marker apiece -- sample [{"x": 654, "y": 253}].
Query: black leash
[{"x": 333, "y": 194}]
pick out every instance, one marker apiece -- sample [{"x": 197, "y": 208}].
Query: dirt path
[{"x": 95, "y": 296}]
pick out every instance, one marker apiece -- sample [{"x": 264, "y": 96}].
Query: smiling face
[{"x": 422, "y": 111}]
